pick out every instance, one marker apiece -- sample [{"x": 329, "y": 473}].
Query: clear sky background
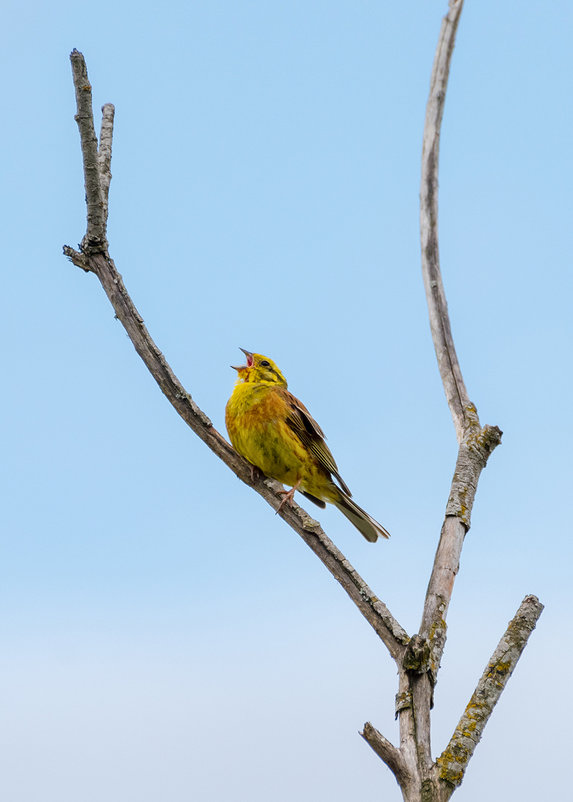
[{"x": 164, "y": 635}]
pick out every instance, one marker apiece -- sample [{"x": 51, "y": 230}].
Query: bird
[{"x": 276, "y": 433}]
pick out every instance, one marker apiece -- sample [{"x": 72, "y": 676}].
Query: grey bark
[
  {"x": 452, "y": 763},
  {"x": 96, "y": 168},
  {"x": 450, "y": 371},
  {"x": 421, "y": 779}
]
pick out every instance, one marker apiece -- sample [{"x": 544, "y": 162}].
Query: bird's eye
[{"x": 265, "y": 364}]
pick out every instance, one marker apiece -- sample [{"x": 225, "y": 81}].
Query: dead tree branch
[
  {"x": 475, "y": 443},
  {"x": 385, "y": 750},
  {"x": 450, "y": 371},
  {"x": 452, "y": 763},
  {"x": 419, "y": 777},
  {"x": 95, "y": 238},
  {"x": 104, "y": 154},
  {"x": 94, "y": 257},
  {"x": 473, "y": 454}
]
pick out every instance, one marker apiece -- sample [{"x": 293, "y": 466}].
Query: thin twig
[
  {"x": 450, "y": 372},
  {"x": 98, "y": 261},
  {"x": 452, "y": 763},
  {"x": 104, "y": 153}
]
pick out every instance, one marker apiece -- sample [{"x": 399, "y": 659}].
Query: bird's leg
[
  {"x": 255, "y": 473},
  {"x": 288, "y": 496}
]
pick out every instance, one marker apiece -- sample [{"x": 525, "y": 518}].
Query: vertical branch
[
  {"x": 450, "y": 371},
  {"x": 95, "y": 237},
  {"x": 422, "y": 659},
  {"x": 104, "y": 154},
  {"x": 473, "y": 455},
  {"x": 475, "y": 443}
]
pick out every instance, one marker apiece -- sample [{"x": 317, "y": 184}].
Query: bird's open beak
[{"x": 250, "y": 360}]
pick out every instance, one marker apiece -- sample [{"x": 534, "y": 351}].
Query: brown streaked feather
[{"x": 311, "y": 435}]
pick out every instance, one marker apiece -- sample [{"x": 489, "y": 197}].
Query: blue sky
[{"x": 164, "y": 635}]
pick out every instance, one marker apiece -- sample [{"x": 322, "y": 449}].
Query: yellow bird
[{"x": 274, "y": 431}]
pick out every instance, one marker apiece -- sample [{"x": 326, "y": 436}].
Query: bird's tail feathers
[
  {"x": 318, "y": 501},
  {"x": 365, "y": 524}
]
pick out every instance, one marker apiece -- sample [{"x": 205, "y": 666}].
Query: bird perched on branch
[{"x": 275, "y": 432}]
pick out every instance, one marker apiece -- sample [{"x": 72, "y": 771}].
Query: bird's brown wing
[{"x": 311, "y": 435}]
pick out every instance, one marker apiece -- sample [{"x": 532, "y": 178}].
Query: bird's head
[{"x": 259, "y": 368}]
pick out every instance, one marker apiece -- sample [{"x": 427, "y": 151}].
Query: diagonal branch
[
  {"x": 94, "y": 257},
  {"x": 388, "y": 753},
  {"x": 450, "y": 371},
  {"x": 452, "y": 763}
]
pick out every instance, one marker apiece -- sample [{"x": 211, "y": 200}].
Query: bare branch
[
  {"x": 476, "y": 444},
  {"x": 421, "y": 663},
  {"x": 95, "y": 238},
  {"x": 375, "y": 612},
  {"x": 78, "y": 258},
  {"x": 385, "y": 750},
  {"x": 452, "y": 763},
  {"x": 94, "y": 258},
  {"x": 104, "y": 153},
  {"x": 450, "y": 371},
  {"x": 473, "y": 454}
]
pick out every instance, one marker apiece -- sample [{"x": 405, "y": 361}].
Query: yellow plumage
[{"x": 275, "y": 432}]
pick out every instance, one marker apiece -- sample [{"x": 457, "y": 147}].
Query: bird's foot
[
  {"x": 255, "y": 474},
  {"x": 288, "y": 497}
]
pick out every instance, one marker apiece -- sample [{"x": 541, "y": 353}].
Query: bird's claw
[
  {"x": 255, "y": 474},
  {"x": 288, "y": 497}
]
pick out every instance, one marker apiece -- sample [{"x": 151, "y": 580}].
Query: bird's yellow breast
[{"x": 256, "y": 421}]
